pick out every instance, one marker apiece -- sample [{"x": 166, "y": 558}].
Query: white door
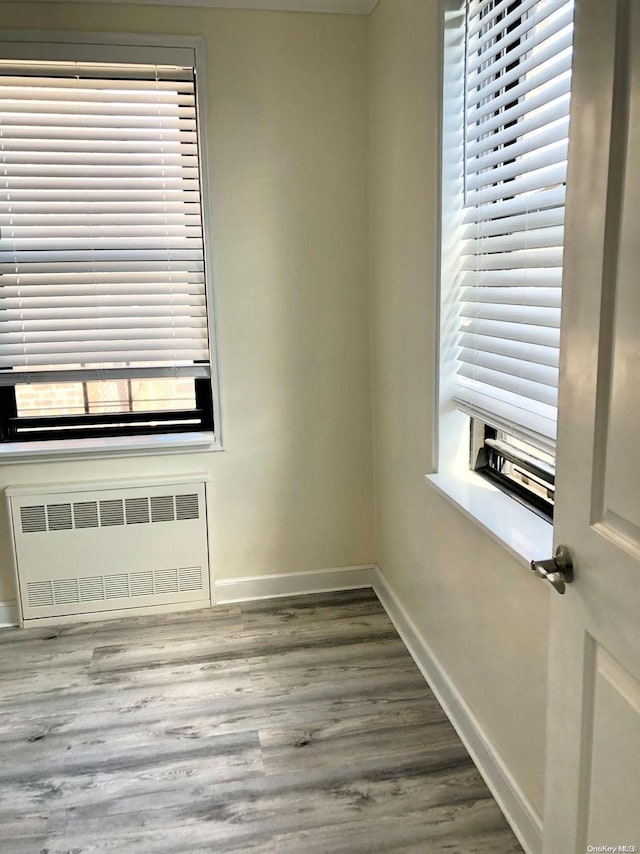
[{"x": 593, "y": 784}]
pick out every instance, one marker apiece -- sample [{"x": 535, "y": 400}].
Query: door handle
[{"x": 558, "y": 570}]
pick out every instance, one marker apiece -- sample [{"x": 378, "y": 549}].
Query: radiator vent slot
[
  {"x": 85, "y": 514},
  {"x": 59, "y": 517},
  {"x": 166, "y": 581},
  {"x": 65, "y": 591},
  {"x": 190, "y": 578},
  {"x": 91, "y": 589},
  {"x": 162, "y": 508},
  {"x": 122, "y": 585},
  {"x": 141, "y": 583},
  {"x": 111, "y": 512},
  {"x": 187, "y": 506},
  {"x": 137, "y": 510},
  {"x": 116, "y": 586},
  {"x": 39, "y": 594},
  {"x": 33, "y": 519}
]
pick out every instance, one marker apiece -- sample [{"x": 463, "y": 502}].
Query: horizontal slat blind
[
  {"x": 518, "y": 59},
  {"x": 102, "y": 263}
]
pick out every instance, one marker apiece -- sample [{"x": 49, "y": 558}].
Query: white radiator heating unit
[{"x": 85, "y": 550}]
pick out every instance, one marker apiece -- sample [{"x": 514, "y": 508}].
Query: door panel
[
  {"x": 612, "y": 810},
  {"x": 619, "y": 390},
  {"x": 592, "y": 794}
]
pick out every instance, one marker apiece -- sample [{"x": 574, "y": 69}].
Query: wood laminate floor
[{"x": 291, "y": 726}]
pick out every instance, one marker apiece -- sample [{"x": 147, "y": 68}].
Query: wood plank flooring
[{"x": 291, "y": 726}]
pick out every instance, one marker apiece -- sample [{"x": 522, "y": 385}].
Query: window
[
  {"x": 104, "y": 323},
  {"x": 515, "y": 466},
  {"x": 507, "y": 92}
]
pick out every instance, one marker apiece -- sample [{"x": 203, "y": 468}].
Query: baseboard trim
[
  {"x": 523, "y": 818},
  {"x": 8, "y": 614},
  {"x": 231, "y": 590}
]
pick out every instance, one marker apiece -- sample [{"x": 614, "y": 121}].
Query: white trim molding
[
  {"x": 96, "y": 448},
  {"x": 230, "y": 590},
  {"x": 119, "y": 614},
  {"x": 331, "y": 7},
  {"x": 513, "y": 526},
  {"x": 8, "y": 614},
  {"x": 518, "y": 810}
]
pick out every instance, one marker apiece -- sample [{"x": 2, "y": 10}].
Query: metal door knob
[{"x": 558, "y": 570}]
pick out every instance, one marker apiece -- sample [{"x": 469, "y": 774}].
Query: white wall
[
  {"x": 288, "y": 136},
  {"x": 482, "y": 614}
]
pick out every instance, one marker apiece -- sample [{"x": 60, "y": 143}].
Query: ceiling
[{"x": 341, "y": 7}]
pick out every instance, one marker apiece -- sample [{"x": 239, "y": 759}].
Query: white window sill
[
  {"x": 111, "y": 446},
  {"x": 523, "y": 534}
]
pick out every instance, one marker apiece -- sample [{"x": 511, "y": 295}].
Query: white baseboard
[
  {"x": 117, "y": 614},
  {"x": 230, "y": 590},
  {"x": 523, "y": 818},
  {"x": 8, "y": 614}
]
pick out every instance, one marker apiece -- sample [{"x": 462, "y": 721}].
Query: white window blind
[
  {"x": 102, "y": 268},
  {"x": 518, "y": 76}
]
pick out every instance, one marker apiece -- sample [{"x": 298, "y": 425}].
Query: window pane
[
  {"x": 48, "y": 399},
  {"x": 141, "y": 395},
  {"x": 167, "y": 393}
]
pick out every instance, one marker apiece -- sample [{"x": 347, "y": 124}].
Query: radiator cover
[{"x": 92, "y": 550}]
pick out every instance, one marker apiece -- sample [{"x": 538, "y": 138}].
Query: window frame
[
  {"x": 524, "y": 532},
  {"x": 84, "y": 426},
  {"x": 493, "y": 458},
  {"x": 146, "y": 49}
]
